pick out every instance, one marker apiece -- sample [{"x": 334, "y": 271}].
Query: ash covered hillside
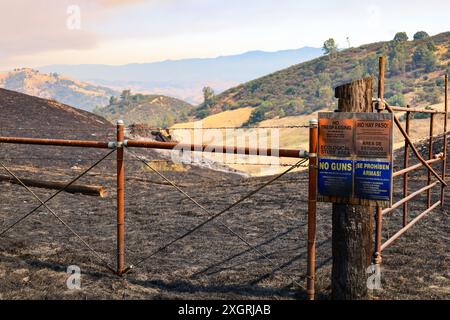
[
  {"x": 27, "y": 116},
  {"x": 22, "y": 113}
]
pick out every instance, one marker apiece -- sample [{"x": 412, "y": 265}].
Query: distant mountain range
[
  {"x": 53, "y": 86},
  {"x": 184, "y": 79}
]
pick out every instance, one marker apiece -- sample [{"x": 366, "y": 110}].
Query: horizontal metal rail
[
  {"x": 417, "y": 166},
  {"x": 408, "y": 226},
  {"x": 269, "y": 152},
  {"x": 409, "y": 197},
  {"x": 415, "y": 110},
  {"x": 57, "y": 142}
]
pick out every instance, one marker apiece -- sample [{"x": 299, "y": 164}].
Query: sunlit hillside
[{"x": 81, "y": 95}]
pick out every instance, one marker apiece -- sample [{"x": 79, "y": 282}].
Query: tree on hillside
[
  {"x": 125, "y": 97},
  {"x": 208, "y": 97},
  {"x": 401, "y": 37},
  {"x": 167, "y": 121},
  {"x": 397, "y": 54},
  {"x": 113, "y": 100},
  {"x": 136, "y": 98},
  {"x": 420, "y": 35},
  {"x": 330, "y": 48},
  {"x": 397, "y": 100},
  {"x": 326, "y": 95},
  {"x": 370, "y": 65},
  {"x": 424, "y": 57},
  {"x": 257, "y": 115}
]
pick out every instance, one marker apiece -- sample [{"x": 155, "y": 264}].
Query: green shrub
[{"x": 397, "y": 100}]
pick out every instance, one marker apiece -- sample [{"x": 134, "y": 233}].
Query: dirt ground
[{"x": 209, "y": 264}]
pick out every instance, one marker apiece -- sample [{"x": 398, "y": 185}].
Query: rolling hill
[
  {"x": 28, "y": 116},
  {"x": 414, "y": 75},
  {"x": 185, "y": 79},
  {"x": 79, "y": 94},
  {"x": 24, "y": 113},
  {"x": 152, "y": 110}
]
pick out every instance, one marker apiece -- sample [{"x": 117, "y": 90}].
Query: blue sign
[
  {"x": 373, "y": 180},
  {"x": 335, "y": 177}
]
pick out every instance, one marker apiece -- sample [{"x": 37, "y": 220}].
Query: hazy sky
[{"x": 40, "y": 32}]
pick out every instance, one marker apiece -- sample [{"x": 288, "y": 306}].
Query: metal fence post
[
  {"x": 312, "y": 207},
  {"x": 378, "y": 234},
  {"x": 444, "y": 162},
  {"x": 379, "y": 210},
  {"x": 406, "y": 165},
  {"x": 120, "y": 199},
  {"x": 430, "y": 157}
]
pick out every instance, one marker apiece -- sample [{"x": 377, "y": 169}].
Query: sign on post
[{"x": 355, "y": 158}]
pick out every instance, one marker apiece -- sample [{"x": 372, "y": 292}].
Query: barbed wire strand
[
  {"x": 131, "y": 128},
  {"x": 214, "y": 216},
  {"x": 213, "y": 162},
  {"x": 95, "y": 253},
  {"x": 233, "y": 128},
  {"x": 64, "y": 129}
]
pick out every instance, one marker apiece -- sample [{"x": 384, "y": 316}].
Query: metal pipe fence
[{"x": 433, "y": 158}]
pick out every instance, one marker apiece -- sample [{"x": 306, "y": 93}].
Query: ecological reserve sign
[{"x": 355, "y": 158}]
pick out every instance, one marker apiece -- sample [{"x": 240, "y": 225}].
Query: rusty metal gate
[{"x": 120, "y": 146}]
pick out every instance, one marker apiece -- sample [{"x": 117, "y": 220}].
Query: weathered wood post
[{"x": 352, "y": 225}]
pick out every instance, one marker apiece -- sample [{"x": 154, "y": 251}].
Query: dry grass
[
  {"x": 282, "y": 138},
  {"x": 295, "y": 138},
  {"x": 230, "y": 118}
]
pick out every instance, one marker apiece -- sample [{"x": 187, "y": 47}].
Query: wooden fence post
[{"x": 352, "y": 225}]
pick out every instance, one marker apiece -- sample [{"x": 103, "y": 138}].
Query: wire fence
[{"x": 130, "y": 155}]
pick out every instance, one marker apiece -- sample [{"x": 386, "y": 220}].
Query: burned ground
[{"x": 210, "y": 263}]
